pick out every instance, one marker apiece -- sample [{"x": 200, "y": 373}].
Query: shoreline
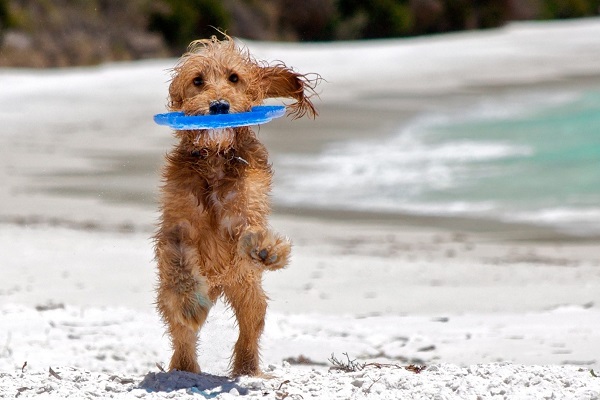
[
  {"x": 117, "y": 190},
  {"x": 494, "y": 229},
  {"x": 490, "y": 228},
  {"x": 87, "y": 181}
]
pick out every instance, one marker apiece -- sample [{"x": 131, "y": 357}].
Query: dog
[{"x": 213, "y": 238}]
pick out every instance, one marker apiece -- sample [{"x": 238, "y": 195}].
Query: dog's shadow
[{"x": 206, "y": 385}]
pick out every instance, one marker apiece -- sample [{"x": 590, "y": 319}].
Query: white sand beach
[{"x": 492, "y": 309}]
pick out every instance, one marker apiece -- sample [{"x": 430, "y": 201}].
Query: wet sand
[{"x": 104, "y": 177}]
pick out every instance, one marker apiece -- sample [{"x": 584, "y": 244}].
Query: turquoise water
[
  {"x": 559, "y": 168},
  {"x": 523, "y": 158}
]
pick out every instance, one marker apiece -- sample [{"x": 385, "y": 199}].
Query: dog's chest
[{"x": 226, "y": 201}]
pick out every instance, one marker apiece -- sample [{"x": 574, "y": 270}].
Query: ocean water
[{"x": 528, "y": 157}]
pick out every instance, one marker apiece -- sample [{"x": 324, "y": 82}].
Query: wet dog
[{"x": 213, "y": 238}]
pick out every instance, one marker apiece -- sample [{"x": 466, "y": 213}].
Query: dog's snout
[{"x": 218, "y": 107}]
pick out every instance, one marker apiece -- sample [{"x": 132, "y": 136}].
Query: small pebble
[
  {"x": 358, "y": 382},
  {"x": 272, "y": 367}
]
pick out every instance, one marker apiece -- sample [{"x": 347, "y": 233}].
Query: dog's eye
[
  {"x": 198, "y": 81},
  {"x": 234, "y": 78}
]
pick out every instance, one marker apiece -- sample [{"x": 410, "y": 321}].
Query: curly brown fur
[{"x": 213, "y": 237}]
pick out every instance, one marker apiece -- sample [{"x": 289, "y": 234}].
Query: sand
[{"x": 493, "y": 310}]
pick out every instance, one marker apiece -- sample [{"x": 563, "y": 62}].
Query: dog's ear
[
  {"x": 281, "y": 81},
  {"x": 175, "y": 94}
]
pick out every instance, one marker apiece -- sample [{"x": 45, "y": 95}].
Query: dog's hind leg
[
  {"x": 183, "y": 297},
  {"x": 249, "y": 303},
  {"x": 184, "y": 338}
]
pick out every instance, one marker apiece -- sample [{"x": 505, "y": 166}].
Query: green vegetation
[
  {"x": 181, "y": 21},
  {"x": 74, "y": 32},
  {"x": 562, "y": 9},
  {"x": 4, "y": 21},
  {"x": 380, "y": 18}
]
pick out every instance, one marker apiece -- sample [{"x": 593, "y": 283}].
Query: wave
[
  {"x": 472, "y": 162},
  {"x": 576, "y": 221},
  {"x": 388, "y": 172}
]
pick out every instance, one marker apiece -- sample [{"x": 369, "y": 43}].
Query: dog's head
[{"x": 216, "y": 77}]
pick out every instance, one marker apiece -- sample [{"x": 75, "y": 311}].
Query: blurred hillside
[{"x": 55, "y": 33}]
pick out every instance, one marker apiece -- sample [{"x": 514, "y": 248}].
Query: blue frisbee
[{"x": 257, "y": 115}]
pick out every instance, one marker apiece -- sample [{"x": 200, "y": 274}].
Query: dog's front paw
[{"x": 265, "y": 248}]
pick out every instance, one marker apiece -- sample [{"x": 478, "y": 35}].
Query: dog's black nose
[{"x": 218, "y": 107}]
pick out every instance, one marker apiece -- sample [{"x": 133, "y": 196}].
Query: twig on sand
[
  {"x": 159, "y": 366},
  {"x": 280, "y": 394},
  {"x": 346, "y": 366},
  {"x": 371, "y": 385},
  {"x": 23, "y": 367},
  {"x": 415, "y": 368},
  {"x": 53, "y": 373},
  {"x": 354, "y": 366},
  {"x": 283, "y": 383},
  {"x": 382, "y": 365},
  {"x": 122, "y": 381}
]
